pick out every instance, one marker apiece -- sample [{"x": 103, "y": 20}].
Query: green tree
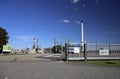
[
  {"x": 58, "y": 49},
  {"x": 3, "y": 37}
]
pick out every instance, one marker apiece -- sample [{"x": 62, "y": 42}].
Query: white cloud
[
  {"x": 75, "y": 1},
  {"x": 66, "y": 21}
]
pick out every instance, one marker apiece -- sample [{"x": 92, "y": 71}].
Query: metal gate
[{"x": 91, "y": 51}]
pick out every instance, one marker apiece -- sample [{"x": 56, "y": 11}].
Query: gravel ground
[{"x": 30, "y": 67}]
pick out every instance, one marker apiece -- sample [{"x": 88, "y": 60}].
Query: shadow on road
[{"x": 15, "y": 59}]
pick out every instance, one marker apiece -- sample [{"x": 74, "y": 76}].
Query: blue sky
[{"x": 46, "y": 19}]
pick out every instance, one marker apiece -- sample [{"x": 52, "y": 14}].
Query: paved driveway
[{"x": 30, "y": 67}]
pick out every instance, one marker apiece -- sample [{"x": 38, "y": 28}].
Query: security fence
[
  {"x": 103, "y": 50},
  {"x": 90, "y": 51}
]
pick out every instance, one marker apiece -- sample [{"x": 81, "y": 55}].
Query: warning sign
[{"x": 103, "y": 52}]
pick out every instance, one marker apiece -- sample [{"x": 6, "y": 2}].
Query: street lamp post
[{"x": 82, "y": 33}]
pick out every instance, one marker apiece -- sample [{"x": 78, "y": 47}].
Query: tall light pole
[
  {"x": 36, "y": 45},
  {"x": 82, "y": 32},
  {"x": 55, "y": 44},
  {"x": 33, "y": 43}
]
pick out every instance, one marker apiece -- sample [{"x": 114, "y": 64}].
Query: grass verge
[{"x": 102, "y": 62}]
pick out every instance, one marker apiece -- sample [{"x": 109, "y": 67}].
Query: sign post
[
  {"x": 85, "y": 52},
  {"x": 66, "y": 50}
]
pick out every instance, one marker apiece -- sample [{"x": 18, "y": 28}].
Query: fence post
[
  {"x": 66, "y": 50},
  {"x": 109, "y": 50},
  {"x": 85, "y": 52},
  {"x": 96, "y": 47}
]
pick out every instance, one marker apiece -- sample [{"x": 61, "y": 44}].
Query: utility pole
[
  {"x": 33, "y": 43},
  {"x": 36, "y": 45},
  {"x": 85, "y": 53},
  {"x": 84, "y": 45},
  {"x": 11, "y": 46},
  {"x": 55, "y": 44},
  {"x": 61, "y": 47},
  {"x": 82, "y": 32}
]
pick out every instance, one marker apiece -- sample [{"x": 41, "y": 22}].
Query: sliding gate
[
  {"x": 75, "y": 51},
  {"x": 91, "y": 51}
]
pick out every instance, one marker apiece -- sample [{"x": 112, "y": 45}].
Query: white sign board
[
  {"x": 103, "y": 52},
  {"x": 7, "y": 48},
  {"x": 76, "y": 50}
]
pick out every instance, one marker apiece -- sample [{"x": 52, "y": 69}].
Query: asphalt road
[{"x": 33, "y": 67}]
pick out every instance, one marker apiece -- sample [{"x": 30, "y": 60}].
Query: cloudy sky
[{"x": 46, "y": 19}]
